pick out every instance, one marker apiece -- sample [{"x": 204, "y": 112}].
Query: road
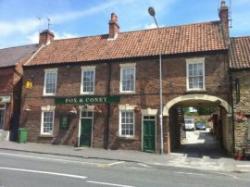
[{"x": 20, "y": 169}]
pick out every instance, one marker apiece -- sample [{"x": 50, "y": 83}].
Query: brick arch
[{"x": 197, "y": 97}]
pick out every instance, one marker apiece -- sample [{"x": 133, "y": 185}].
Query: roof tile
[
  {"x": 168, "y": 40},
  {"x": 240, "y": 52}
]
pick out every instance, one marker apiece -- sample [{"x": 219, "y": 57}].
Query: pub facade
[{"x": 103, "y": 91}]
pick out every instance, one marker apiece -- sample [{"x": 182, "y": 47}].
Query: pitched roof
[
  {"x": 240, "y": 53},
  {"x": 168, "y": 40},
  {"x": 13, "y": 55}
]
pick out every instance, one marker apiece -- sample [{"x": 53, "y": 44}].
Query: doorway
[
  {"x": 149, "y": 133},
  {"x": 86, "y": 124},
  {"x": 2, "y": 112}
]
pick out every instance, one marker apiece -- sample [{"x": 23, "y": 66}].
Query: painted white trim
[
  {"x": 5, "y": 99},
  {"x": 53, "y": 70},
  {"x": 128, "y": 65},
  {"x": 80, "y": 125},
  {"x": 122, "y": 67},
  {"x": 48, "y": 108},
  {"x": 195, "y": 61},
  {"x": 197, "y": 97},
  {"x": 90, "y": 108},
  {"x": 149, "y": 112},
  {"x": 127, "y": 107},
  {"x": 86, "y": 69},
  {"x": 120, "y": 118},
  {"x": 42, "y": 121},
  {"x": 142, "y": 129}
]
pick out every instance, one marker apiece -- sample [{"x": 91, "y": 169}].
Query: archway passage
[{"x": 199, "y": 127}]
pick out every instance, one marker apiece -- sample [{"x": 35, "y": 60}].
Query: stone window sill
[{"x": 46, "y": 136}]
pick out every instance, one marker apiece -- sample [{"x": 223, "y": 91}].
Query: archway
[{"x": 221, "y": 127}]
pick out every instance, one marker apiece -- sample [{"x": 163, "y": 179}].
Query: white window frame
[
  {"x": 47, "y": 109},
  {"x": 195, "y": 61},
  {"x": 126, "y": 109},
  {"x": 122, "y": 67},
  {"x": 86, "y": 69},
  {"x": 46, "y": 71}
]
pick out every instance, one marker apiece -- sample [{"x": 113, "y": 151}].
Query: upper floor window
[
  {"x": 195, "y": 74},
  {"x": 47, "y": 120},
  {"x": 127, "y": 78},
  {"x": 88, "y": 80},
  {"x": 50, "y": 82}
]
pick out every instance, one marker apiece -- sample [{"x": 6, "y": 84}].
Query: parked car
[
  {"x": 200, "y": 126},
  {"x": 189, "y": 124}
]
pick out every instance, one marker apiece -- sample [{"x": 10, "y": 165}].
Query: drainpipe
[
  {"x": 232, "y": 101},
  {"x": 107, "y": 131}
]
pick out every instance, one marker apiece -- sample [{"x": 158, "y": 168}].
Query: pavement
[{"x": 185, "y": 158}]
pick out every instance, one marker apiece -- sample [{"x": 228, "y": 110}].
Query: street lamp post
[{"x": 151, "y": 11}]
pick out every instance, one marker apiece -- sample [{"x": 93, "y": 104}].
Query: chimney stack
[
  {"x": 224, "y": 18},
  {"x": 113, "y": 26},
  {"x": 46, "y": 37}
]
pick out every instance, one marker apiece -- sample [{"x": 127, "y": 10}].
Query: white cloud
[
  {"x": 20, "y": 26},
  {"x": 68, "y": 16},
  {"x": 27, "y": 26},
  {"x": 150, "y": 26},
  {"x": 65, "y": 35},
  {"x": 34, "y": 38}
]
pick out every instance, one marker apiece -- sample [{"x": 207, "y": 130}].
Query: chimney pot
[
  {"x": 224, "y": 18},
  {"x": 46, "y": 37},
  {"x": 113, "y": 26}
]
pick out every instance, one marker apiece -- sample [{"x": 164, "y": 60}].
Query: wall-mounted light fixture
[
  {"x": 73, "y": 110},
  {"x": 27, "y": 108}
]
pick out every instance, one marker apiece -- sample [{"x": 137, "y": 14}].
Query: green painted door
[
  {"x": 148, "y": 136},
  {"x": 86, "y": 127}
]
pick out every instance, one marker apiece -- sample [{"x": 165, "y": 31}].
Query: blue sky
[{"x": 21, "y": 21}]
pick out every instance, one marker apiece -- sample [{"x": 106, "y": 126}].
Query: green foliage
[{"x": 206, "y": 110}]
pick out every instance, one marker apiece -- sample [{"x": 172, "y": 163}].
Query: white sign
[{"x": 4, "y": 99}]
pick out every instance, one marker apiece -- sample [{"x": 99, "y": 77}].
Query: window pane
[
  {"x": 48, "y": 122},
  {"x": 50, "y": 82},
  {"x": 127, "y": 123},
  {"x": 128, "y": 78},
  {"x": 195, "y": 76},
  {"x": 88, "y": 80}
]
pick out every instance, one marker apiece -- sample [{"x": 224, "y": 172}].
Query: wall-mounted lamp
[
  {"x": 27, "y": 108},
  {"x": 73, "y": 110},
  {"x": 137, "y": 109}
]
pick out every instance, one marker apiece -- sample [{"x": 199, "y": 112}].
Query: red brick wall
[
  {"x": 147, "y": 93},
  {"x": 6, "y": 80}
]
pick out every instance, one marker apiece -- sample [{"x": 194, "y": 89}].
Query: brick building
[
  {"x": 240, "y": 78},
  {"x": 11, "y": 60},
  {"x": 103, "y": 91}
]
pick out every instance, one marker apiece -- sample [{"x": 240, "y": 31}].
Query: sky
[{"x": 21, "y": 21}]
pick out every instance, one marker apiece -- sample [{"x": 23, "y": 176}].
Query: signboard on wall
[
  {"x": 28, "y": 84},
  {"x": 87, "y": 100}
]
